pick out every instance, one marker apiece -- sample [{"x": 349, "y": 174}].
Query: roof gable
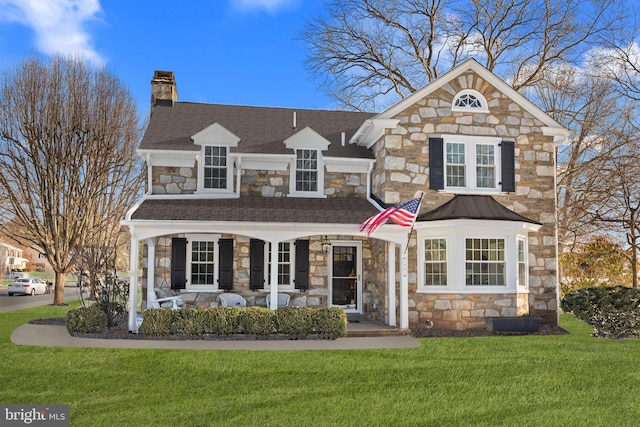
[
  {"x": 370, "y": 130},
  {"x": 307, "y": 138},
  {"x": 476, "y": 67},
  {"x": 216, "y": 134}
]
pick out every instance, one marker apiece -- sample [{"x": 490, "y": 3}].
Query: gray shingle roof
[
  {"x": 261, "y": 129},
  {"x": 473, "y": 207},
  {"x": 258, "y": 209}
]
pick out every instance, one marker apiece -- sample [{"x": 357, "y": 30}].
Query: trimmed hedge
[
  {"x": 295, "y": 322},
  {"x": 614, "y": 312},
  {"x": 86, "y": 320}
]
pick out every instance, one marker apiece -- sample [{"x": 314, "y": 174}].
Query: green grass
[{"x": 568, "y": 380}]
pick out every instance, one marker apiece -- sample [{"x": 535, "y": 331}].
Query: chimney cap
[{"x": 163, "y": 88}]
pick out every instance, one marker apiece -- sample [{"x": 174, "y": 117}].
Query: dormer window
[
  {"x": 469, "y": 100},
  {"x": 307, "y": 170},
  {"x": 306, "y": 177},
  {"x": 215, "y": 162},
  {"x": 215, "y": 167}
]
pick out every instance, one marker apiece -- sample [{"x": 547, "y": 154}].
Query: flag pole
[{"x": 406, "y": 248}]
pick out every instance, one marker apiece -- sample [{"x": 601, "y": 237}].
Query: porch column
[
  {"x": 391, "y": 284},
  {"x": 151, "y": 269},
  {"x": 404, "y": 291},
  {"x": 133, "y": 284},
  {"x": 273, "y": 274}
]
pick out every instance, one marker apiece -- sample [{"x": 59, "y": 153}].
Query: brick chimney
[{"x": 163, "y": 89}]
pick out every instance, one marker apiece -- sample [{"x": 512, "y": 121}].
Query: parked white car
[{"x": 27, "y": 286}]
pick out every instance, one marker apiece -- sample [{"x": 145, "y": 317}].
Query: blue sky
[{"x": 242, "y": 52}]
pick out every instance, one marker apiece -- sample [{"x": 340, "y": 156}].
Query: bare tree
[
  {"x": 612, "y": 201},
  {"x": 586, "y": 104},
  {"x": 373, "y": 52},
  {"x": 68, "y": 134}
]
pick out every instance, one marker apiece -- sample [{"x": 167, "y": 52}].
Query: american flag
[{"x": 403, "y": 214}]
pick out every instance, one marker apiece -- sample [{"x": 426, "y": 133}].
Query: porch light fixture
[{"x": 325, "y": 245}]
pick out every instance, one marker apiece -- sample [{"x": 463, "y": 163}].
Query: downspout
[
  {"x": 238, "y": 174},
  {"x": 369, "y": 198},
  {"x": 147, "y": 159}
]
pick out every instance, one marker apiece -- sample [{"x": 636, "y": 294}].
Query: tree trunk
[
  {"x": 634, "y": 266},
  {"x": 58, "y": 293}
]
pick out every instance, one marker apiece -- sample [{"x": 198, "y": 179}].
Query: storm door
[{"x": 346, "y": 276}]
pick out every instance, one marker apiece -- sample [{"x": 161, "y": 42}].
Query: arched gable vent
[{"x": 470, "y": 100}]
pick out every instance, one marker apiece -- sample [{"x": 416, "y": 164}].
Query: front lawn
[{"x": 562, "y": 380}]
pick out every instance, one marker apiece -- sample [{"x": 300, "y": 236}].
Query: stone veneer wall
[
  {"x": 264, "y": 183},
  {"x": 402, "y": 172},
  {"x": 316, "y": 296},
  {"x": 172, "y": 180}
]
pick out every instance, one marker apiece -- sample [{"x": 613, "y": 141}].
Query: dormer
[
  {"x": 307, "y": 166},
  {"x": 215, "y": 166}
]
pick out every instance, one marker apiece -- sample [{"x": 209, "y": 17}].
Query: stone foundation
[{"x": 464, "y": 311}]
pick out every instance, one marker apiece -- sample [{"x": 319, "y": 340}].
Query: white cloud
[
  {"x": 271, "y": 6},
  {"x": 59, "y": 25}
]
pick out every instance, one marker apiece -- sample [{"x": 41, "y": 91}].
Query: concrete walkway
[{"x": 57, "y": 336}]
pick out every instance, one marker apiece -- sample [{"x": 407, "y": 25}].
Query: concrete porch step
[{"x": 366, "y": 328}]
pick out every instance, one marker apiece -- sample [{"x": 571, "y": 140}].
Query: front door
[{"x": 346, "y": 276}]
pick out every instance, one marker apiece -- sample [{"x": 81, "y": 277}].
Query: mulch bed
[{"x": 122, "y": 332}]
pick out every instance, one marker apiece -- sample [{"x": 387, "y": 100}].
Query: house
[
  {"x": 256, "y": 201},
  {"x": 12, "y": 258}
]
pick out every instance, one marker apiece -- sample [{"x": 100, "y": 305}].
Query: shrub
[
  {"x": 256, "y": 321},
  {"x": 221, "y": 320},
  {"x": 86, "y": 320},
  {"x": 331, "y": 322},
  {"x": 189, "y": 321},
  {"x": 158, "y": 321},
  {"x": 612, "y": 311},
  {"x": 295, "y": 321}
]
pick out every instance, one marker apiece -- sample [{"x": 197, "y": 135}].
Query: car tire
[
  {"x": 10, "y": 294},
  {"x": 33, "y": 292}
]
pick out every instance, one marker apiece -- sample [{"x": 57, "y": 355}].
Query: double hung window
[
  {"x": 285, "y": 264},
  {"x": 485, "y": 262},
  {"x": 471, "y": 163},
  {"x": 215, "y": 167},
  {"x": 435, "y": 262},
  {"x": 306, "y": 170}
]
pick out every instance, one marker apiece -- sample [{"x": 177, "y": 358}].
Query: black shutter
[
  {"x": 436, "y": 163},
  {"x": 302, "y": 265},
  {"x": 256, "y": 267},
  {"x": 178, "y": 263},
  {"x": 508, "y": 167},
  {"x": 225, "y": 269}
]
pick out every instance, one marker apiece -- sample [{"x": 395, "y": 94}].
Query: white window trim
[
  {"x": 292, "y": 176},
  {"x": 470, "y": 143},
  {"x": 475, "y": 93},
  {"x": 524, "y": 285},
  {"x": 230, "y": 178},
  {"x": 421, "y": 262},
  {"x": 267, "y": 274},
  {"x": 455, "y": 232},
  {"x": 216, "y": 261}
]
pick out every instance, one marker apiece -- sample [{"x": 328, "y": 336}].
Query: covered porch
[{"x": 342, "y": 266}]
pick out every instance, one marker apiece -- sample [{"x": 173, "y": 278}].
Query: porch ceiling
[{"x": 257, "y": 209}]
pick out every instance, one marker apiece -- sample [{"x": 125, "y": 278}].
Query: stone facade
[
  {"x": 404, "y": 172},
  {"x": 172, "y": 180},
  {"x": 263, "y": 183}
]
